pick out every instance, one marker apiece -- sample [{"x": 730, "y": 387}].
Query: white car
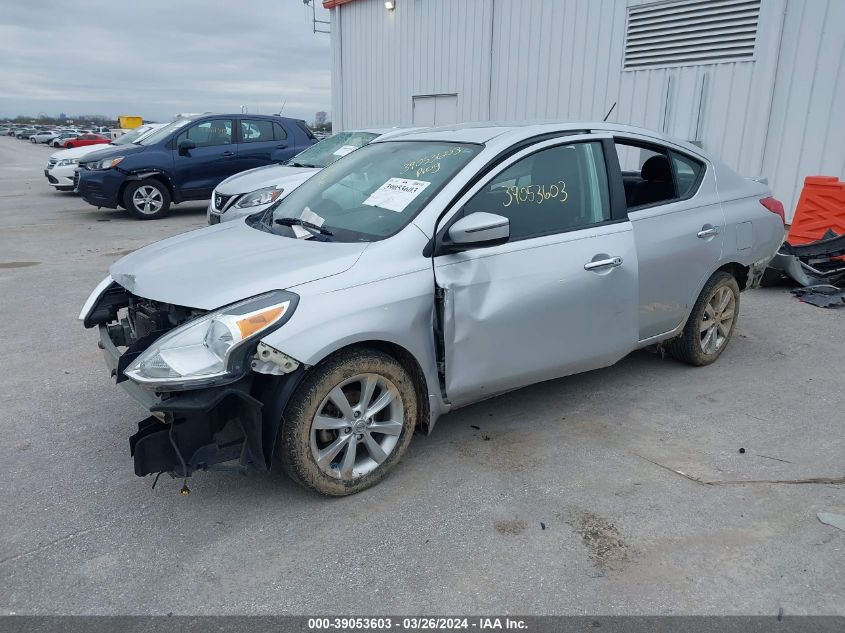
[
  {"x": 254, "y": 190},
  {"x": 61, "y": 167},
  {"x": 45, "y": 136}
]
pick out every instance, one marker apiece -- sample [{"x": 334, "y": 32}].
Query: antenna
[{"x": 609, "y": 111}]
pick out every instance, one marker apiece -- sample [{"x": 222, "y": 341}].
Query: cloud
[{"x": 159, "y": 57}]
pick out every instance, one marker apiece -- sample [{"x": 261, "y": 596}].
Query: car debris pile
[{"x": 814, "y": 252}]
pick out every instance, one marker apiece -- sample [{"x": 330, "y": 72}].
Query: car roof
[{"x": 507, "y": 134}]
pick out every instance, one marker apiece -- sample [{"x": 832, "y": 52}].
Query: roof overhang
[{"x": 331, "y": 4}]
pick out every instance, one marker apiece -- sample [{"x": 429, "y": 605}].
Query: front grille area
[
  {"x": 221, "y": 201},
  {"x": 76, "y": 179}
]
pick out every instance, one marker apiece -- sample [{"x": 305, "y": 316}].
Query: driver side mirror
[
  {"x": 477, "y": 230},
  {"x": 186, "y": 146}
]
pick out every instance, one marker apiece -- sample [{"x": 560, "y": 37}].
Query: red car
[{"x": 86, "y": 139}]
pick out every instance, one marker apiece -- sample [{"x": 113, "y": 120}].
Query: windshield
[
  {"x": 328, "y": 150},
  {"x": 370, "y": 195},
  {"x": 131, "y": 137},
  {"x": 163, "y": 132}
]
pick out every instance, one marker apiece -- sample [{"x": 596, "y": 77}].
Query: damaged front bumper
[{"x": 201, "y": 428}]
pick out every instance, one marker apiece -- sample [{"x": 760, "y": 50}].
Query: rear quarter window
[{"x": 688, "y": 172}]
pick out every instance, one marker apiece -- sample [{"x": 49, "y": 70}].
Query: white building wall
[{"x": 562, "y": 59}]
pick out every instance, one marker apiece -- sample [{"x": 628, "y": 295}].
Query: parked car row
[
  {"x": 418, "y": 273},
  {"x": 185, "y": 160}
]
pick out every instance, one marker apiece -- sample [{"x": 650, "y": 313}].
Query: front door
[
  {"x": 560, "y": 296},
  {"x": 214, "y": 158}
]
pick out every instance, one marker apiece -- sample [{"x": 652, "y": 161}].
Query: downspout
[
  {"x": 337, "y": 33},
  {"x": 490, "y": 61}
]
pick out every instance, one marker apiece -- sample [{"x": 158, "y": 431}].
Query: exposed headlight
[
  {"x": 212, "y": 348},
  {"x": 67, "y": 161},
  {"x": 106, "y": 163},
  {"x": 262, "y": 196}
]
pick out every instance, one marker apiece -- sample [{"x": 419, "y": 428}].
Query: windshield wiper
[
  {"x": 293, "y": 164},
  {"x": 303, "y": 223}
]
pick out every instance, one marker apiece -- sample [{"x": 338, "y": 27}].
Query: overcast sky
[{"x": 155, "y": 58}]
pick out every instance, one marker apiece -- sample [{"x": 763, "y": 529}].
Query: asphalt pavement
[{"x": 561, "y": 498}]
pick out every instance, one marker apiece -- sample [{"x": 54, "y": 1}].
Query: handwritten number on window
[{"x": 536, "y": 194}]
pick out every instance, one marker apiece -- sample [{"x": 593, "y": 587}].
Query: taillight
[{"x": 775, "y": 206}]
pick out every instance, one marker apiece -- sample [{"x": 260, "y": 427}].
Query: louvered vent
[{"x": 690, "y": 32}]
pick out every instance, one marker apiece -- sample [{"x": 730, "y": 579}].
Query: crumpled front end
[{"x": 188, "y": 429}]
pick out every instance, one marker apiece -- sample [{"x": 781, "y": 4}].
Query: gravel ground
[{"x": 552, "y": 506}]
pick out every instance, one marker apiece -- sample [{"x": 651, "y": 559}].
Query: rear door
[
  {"x": 257, "y": 144},
  {"x": 560, "y": 296},
  {"x": 678, "y": 225},
  {"x": 214, "y": 159}
]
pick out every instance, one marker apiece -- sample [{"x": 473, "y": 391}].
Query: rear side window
[
  {"x": 279, "y": 132},
  {"x": 687, "y": 173},
  {"x": 256, "y": 131},
  {"x": 555, "y": 190}
]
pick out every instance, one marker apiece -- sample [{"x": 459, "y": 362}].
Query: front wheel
[
  {"x": 711, "y": 322},
  {"x": 147, "y": 199},
  {"x": 70, "y": 146},
  {"x": 348, "y": 424}
]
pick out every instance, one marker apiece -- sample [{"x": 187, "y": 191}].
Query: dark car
[{"x": 185, "y": 160}]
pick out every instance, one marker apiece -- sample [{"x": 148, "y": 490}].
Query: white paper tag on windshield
[
  {"x": 343, "y": 151},
  {"x": 396, "y": 194}
]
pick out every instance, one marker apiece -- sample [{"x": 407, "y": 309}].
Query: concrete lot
[{"x": 458, "y": 528}]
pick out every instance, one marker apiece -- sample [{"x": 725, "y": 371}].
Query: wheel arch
[
  {"x": 160, "y": 176},
  {"x": 408, "y": 362}
]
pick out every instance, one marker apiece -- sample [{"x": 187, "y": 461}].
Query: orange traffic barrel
[{"x": 820, "y": 208}]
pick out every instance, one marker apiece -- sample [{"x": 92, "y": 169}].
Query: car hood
[
  {"x": 78, "y": 152},
  {"x": 218, "y": 265},
  {"x": 107, "y": 151},
  {"x": 260, "y": 177}
]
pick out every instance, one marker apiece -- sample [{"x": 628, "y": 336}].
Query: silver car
[
  {"x": 421, "y": 274},
  {"x": 254, "y": 190}
]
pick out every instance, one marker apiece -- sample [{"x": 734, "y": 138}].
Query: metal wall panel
[{"x": 773, "y": 116}]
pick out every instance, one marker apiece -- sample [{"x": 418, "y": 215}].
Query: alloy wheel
[
  {"x": 357, "y": 426},
  {"x": 717, "y": 320},
  {"x": 147, "y": 199}
]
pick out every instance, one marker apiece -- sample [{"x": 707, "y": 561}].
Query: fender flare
[{"x": 144, "y": 174}]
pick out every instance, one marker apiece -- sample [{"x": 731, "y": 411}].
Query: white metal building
[{"x": 760, "y": 83}]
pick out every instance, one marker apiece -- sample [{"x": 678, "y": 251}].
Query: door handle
[
  {"x": 281, "y": 146},
  {"x": 707, "y": 231},
  {"x": 613, "y": 262},
  {"x": 227, "y": 153}
]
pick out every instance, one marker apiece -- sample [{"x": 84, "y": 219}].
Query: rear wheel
[
  {"x": 711, "y": 322},
  {"x": 147, "y": 199},
  {"x": 348, "y": 424}
]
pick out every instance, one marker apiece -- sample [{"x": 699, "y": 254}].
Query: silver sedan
[{"x": 420, "y": 274}]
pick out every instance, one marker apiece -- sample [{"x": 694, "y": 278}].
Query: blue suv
[{"x": 185, "y": 160}]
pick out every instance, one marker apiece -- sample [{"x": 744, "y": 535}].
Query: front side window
[
  {"x": 208, "y": 133},
  {"x": 373, "y": 193},
  {"x": 329, "y": 150},
  {"x": 554, "y": 190},
  {"x": 256, "y": 131}
]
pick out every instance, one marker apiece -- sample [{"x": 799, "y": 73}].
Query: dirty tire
[
  {"x": 293, "y": 449},
  {"x": 161, "y": 200},
  {"x": 687, "y": 347}
]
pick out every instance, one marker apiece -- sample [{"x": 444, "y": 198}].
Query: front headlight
[
  {"x": 262, "y": 196},
  {"x": 106, "y": 163},
  {"x": 67, "y": 161},
  {"x": 212, "y": 348}
]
